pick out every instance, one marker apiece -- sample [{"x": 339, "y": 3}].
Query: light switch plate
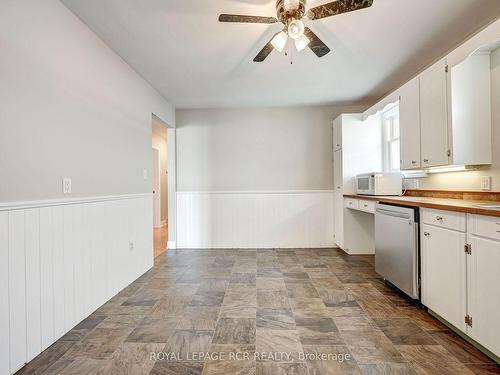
[
  {"x": 66, "y": 185},
  {"x": 486, "y": 183},
  {"x": 145, "y": 174}
]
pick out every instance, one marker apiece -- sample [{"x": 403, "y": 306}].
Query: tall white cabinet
[{"x": 357, "y": 149}]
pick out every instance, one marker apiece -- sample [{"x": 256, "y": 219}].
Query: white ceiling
[{"x": 197, "y": 62}]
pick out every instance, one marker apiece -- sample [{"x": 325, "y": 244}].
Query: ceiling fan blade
[
  {"x": 337, "y": 7},
  {"x": 246, "y": 19},
  {"x": 316, "y": 45},
  {"x": 266, "y": 51}
]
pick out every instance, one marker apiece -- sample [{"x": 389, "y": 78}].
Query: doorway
[{"x": 159, "y": 179}]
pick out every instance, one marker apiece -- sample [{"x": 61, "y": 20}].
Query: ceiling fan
[{"x": 290, "y": 13}]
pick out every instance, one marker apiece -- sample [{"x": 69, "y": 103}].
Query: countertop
[{"x": 457, "y": 205}]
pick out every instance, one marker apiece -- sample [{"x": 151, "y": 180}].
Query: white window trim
[{"x": 391, "y": 112}]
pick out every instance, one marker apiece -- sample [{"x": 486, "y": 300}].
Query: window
[{"x": 390, "y": 126}]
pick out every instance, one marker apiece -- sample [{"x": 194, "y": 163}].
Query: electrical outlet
[
  {"x": 486, "y": 183},
  {"x": 66, "y": 185},
  {"x": 131, "y": 246}
]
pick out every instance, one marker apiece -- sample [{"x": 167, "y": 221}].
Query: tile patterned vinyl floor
[{"x": 261, "y": 302}]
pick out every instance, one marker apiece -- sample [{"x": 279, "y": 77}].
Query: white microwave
[{"x": 379, "y": 184}]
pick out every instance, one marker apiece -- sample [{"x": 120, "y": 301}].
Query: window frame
[{"x": 389, "y": 138}]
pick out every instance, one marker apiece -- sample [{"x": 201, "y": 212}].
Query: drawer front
[
  {"x": 367, "y": 206},
  {"x": 485, "y": 226},
  {"x": 351, "y": 203},
  {"x": 445, "y": 219}
]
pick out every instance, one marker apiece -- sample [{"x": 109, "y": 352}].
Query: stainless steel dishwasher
[{"x": 397, "y": 247}]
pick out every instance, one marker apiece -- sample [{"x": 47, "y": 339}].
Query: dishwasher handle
[{"x": 401, "y": 215}]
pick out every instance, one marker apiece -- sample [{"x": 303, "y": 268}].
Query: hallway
[
  {"x": 260, "y": 302},
  {"x": 160, "y": 240}
]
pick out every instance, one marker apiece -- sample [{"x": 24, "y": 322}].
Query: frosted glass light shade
[
  {"x": 302, "y": 43},
  {"x": 279, "y": 41},
  {"x": 296, "y": 29}
]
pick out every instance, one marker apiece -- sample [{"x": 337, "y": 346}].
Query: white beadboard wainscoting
[
  {"x": 261, "y": 219},
  {"x": 60, "y": 261}
]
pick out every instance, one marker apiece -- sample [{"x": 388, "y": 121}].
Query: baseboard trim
[
  {"x": 10, "y": 206},
  {"x": 171, "y": 245}
]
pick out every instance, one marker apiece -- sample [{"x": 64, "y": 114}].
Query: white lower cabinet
[
  {"x": 483, "y": 276},
  {"x": 460, "y": 275},
  {"x": 444, "y": 273}
]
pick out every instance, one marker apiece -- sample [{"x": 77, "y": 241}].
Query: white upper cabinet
[
  {"x": 434, "y": 116},
  {"x": 446, "y": 111},
  {"x": 409, "y": 122},
  {"x": 470, "y": 89}
]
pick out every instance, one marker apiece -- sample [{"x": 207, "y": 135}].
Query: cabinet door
[
  {"x": 338, "y": 175},
  {"x": 337, "y": 133},
  {"x": 483, "y": 292},
  {"x": 338, "y": 218},
  {"x": 409, "y": 122},
  {"x": 434, "y": 116},
  {"x": 338, "y": 198},
  {"x": 444, "y": 273}
]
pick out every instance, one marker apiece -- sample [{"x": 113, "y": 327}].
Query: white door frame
[
  {"x": 156, "y": 186},
  {"x": 172, "y": 188},
  {"x": 172, "y": 182}
]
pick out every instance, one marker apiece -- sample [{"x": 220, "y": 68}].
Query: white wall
[
  {"x": 255, "y": 178},
  {"x": 69, "y": 107},
  {"x": 59, "y": 262},
  {"x": 472, "y": 180},
  {"x": 255, "y": 149}
]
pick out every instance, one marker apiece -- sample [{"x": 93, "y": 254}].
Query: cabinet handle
[
  {"x": 366, "y": 205},
  {"x": 413, "y": 162},
  {"x": 426, "y": 160},
  {"x": 439, "y": 218},
  {"x": 427, "y": 234}
]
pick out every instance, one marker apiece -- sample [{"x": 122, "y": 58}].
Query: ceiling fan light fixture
[
  {"x": 296, "y": 29},
  {"x": 302, "y": 42},
  {"x": 279, "y": 41}
]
